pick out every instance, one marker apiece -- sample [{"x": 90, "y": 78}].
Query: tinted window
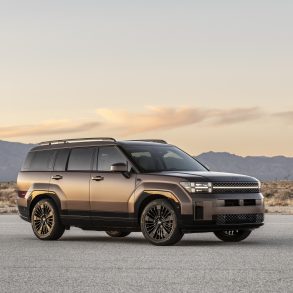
[
  {"x": 27, "y": 163},
  {"x": 61, "y": 160},
  {"x": 41, "y": 161},
  {"x": 162, "y": 158},
  {"x": 80, "y": 159},
  {"x": 109, "y": 156},
  {"x": 173, "y": 161}
]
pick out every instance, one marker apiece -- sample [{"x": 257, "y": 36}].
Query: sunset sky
[{"x": 204, "y": 75}]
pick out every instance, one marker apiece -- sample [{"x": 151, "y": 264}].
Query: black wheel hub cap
[{"x": 159, "y": 222}]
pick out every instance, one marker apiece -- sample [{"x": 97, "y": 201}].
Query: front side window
[
  {"x": 80, "y": 159},
  {"x": 162, "y": 158},
  {"x": 109, "y": 156}
]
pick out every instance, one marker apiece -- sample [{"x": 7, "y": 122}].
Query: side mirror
[{"x": 119, "y": 167}]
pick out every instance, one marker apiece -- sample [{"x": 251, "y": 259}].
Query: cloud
[
  {"x": 162, "y": 118},
  {"x": 155, "y": 118},
  {"x": 287, "y": 116},
  {"x": 126, "y": 123},
  {"x": 236, "y": 115},
  {"x": 47, "y": 128}
]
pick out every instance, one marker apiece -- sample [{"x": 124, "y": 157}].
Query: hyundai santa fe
[{"x": 129, "y": 186}]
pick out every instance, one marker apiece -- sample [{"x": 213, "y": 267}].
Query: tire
[
  {"x": 45, "y": 220},
  {"x": 232, "y": 235},
  {"x": 159, "y": 223},
  {"x": 117, "y": 234}
]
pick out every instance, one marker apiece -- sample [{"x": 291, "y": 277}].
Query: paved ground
[{"x": 85, "y": 261}]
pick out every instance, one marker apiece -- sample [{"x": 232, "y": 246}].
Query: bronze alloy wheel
[
  {"x": 232, "y": 235},
  {"x": 117, "y": 234},
  {"x": 159, "y": 223},
  {"x": 45, "y": 221}
]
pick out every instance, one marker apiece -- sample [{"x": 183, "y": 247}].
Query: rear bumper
[{"x": 23, "y": 210}]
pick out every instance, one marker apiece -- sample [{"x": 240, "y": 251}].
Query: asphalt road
[{"x": 85, "y": 261}]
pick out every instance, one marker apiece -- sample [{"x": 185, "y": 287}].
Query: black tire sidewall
[{"x": 243, "y": 234}]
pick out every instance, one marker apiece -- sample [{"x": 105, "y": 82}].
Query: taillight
[{"x": 21, "y": 193}]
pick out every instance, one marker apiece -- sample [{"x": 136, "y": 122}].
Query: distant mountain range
[
  {"x": 12, "y": 155},
  {"x": 264, "y": 168}
]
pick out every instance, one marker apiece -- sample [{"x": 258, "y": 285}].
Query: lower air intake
[{"x": 239, "y": 219}]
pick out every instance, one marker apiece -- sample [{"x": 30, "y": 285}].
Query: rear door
[{"x": 70, "y": 180}]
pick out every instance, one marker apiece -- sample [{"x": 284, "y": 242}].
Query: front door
[{"x": 110, "y": 191}]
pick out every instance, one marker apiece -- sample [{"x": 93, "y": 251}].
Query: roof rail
[
  {"x": 150, "y": 140},
  {"x": 77, "y": 140}
]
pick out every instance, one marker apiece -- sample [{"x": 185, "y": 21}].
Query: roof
[{"x": 89, "y": 142}]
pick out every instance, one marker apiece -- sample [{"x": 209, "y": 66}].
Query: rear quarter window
[
  {"x": 39, "y": 161},
  {"x": 27, "y": 162}
]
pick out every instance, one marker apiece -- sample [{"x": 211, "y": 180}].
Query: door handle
[
  {"x": 57, "y": 177},
  {"x": 97, "y": 178}
]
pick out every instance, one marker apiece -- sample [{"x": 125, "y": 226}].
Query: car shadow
[
  {"x": 103, "y": 239},
  {"x": 198, "y": 242},
  {"x": 142, "y": 241}
]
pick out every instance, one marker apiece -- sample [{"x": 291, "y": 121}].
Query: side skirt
[{"x": 100, "y": 221}]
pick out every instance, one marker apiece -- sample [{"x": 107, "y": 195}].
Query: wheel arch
[
  {"x": 148, "y": 196},
  {"x": 37, "y": 196}
]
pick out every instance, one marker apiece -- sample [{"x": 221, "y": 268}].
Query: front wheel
[
  {"x": 232, "y": 235},
  {"x": 117, "y": 234},
  {"x": 45, "y": 220},
  {"x": 159, "y": 223}
]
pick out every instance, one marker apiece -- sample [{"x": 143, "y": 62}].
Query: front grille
[
  {"x": 238, "y": 219},
  {"x": 236, "y": 187}
]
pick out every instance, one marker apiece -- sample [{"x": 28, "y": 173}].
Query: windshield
[{"x": 162, "y": 158}]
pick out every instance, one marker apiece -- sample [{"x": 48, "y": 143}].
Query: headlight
[{"x": 194, "y": 187}]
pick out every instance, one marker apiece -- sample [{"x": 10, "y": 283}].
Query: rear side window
[
  {"x": 80, "y": 159},
  {"x": 61, "y": 160},
  {"x": 39, "y": 161},
  {"x": 27, "y": 163},
  {"x": 109, "y": 156}
]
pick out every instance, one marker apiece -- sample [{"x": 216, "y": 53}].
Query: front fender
[{"x": 168, "y": 190}]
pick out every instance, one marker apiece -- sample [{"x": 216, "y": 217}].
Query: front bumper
[{"x": 224, "y": 211}]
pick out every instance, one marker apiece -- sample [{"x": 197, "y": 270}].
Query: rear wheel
[
  {"x": 45, "y": 220},
  {"x": 117, "y": 234},
  {"x": 159, "y": 223},
  {"x": 232, "y": 235}
]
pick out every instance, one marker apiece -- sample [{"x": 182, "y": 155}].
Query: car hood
[{"x": 209, "y": 176}]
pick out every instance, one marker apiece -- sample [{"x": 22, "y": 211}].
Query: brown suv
[{"x": 124, "y": 186}]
